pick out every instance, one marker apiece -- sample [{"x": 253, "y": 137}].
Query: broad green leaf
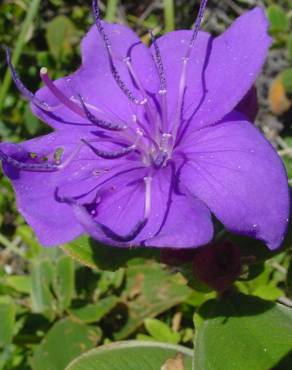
[
  {"x": 41, "y": 288},
  {"x": 60, "y": 36},
  {"x": 65, "y": 341},
  {"x": 135, "y": 355},
  {"x": 279, "y": 21},
  {"x": 64, "y": 281},
  {"x": 161, "y": 332},
  {"x": 7, "y": 320},
  {"x": 150, "y": 290},
  {"x": 97, "y": 256},
  {"x": 243, "y": 332},
  {"x": 94, "y": 312}
]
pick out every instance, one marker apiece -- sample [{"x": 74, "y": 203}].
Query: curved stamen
[
  {"x": 111, "y": 155},
  {"x": 23, "y": 89},
  {"x": 32, "y": 167},
  {"x": 59, "y": 94},
  {"x": 186, "y": 58},
  {"x": 196, "y": 27},
  {"x": 39, "y": 167},
  {"x": 100, "y": 123},
  {"x": 106, "y": 41},
  {"x": 162, "y": 78}
]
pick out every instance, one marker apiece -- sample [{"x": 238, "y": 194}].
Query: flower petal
[
  {"x": 95, "y": 82},
  {"x": 235, "y": 171},
  {"x": 188, "y": 224},
  {"x": 221, "y": 70},
  {"x": 53, "y": 221}
]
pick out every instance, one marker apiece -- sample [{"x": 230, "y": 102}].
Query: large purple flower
[{"x": 148, "y": 142}]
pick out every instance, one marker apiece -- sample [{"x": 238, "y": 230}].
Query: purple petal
[
  {"x": 188, "y": 225},
  {"x": 236, "y": 172},
  {"x": 53, "y": 221},
  {"x": 95, "y": 82},
  {"x": 120, "y": 206},
  {"x": 221, "y": 70},
  {"x": 249, "y": 105}
]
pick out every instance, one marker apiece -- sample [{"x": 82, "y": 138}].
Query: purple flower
[{"x": 148, "y": 142}]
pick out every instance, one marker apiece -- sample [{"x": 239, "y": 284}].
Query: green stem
[
  {"x": 9, "y": 246},
  {"x": 169, "y": 15},
  {"x": 21, "y": 40},
  {"x": 111, "y": 10}
]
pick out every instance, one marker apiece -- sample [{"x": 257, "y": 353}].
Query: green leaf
[
  {"x": 7, "y": 320},
  {"x": 97, "y": 256},
  {"x": 150, "y": 290},
  {"x": 135, "y": 355},
  {"x": 65, "y": 341},
  {"x": 289, "y": 277},
  {"x": 243, "y": 332},
  {"x": 60, "y": 36},
  {"x": 286, "y": 76},
  {"x": 94, "y": 312},
  {"x": 279, "y": 21},
  {"x": 64, "y": 281},
  {"x": 32, "y": 124},
  {"x": 161, "y": 332},
  {"x": 21, "y": 283},
  {"x": 289, "y": 47},
  {"x": 42, "y": 277}
]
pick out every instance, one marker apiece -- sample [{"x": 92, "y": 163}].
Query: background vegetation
[{"x": 53, "y": 308}]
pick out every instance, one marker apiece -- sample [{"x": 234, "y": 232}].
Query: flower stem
[
  {"x": 169, "y": 15},
  {"x": 111, "y": 10}
]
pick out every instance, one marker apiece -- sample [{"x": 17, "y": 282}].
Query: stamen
[
  {"x": 110, "y": 155},
  {"x": 186, "y": 58},
  {"x": 196, "y": 27},
  {"x": 114, "y": 71},
  {"x": 32, "y": 167},
  {"x": 59, "y": 94},
  {"x": 163, "y": 85},
  {"x": 148, "y": 187},
  {"x": 39, "y": 167},
  {"x": 141, "y": 88},
  {"x": 23, "y": 89},
  {"x": 100, "y": 123},
  {"x": 159, "y": 63}
]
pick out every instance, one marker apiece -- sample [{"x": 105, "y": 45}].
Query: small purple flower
[{"x": 148, "y": 142}]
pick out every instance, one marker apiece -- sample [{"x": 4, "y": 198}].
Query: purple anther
[{"x": 98, "y": 122}]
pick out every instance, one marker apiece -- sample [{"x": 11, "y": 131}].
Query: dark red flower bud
[{"x": 217, "y": 265}]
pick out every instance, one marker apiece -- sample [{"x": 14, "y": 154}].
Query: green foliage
[
  {"x": 94, "y": 312},
  {"x": 65, "y": 341},
  {"x": 279, "y": 21},
  {"x": 7, "y": 319},
  {"x": 145, "y": 297},
  {"x": 243, "y": 332},
  {"x": 60, "y": 35},
  {"x": 287, "y": 80},
  {"x": 161, "y": 332},
  {"x": 97, "y": 256},
  {"x": 135, "y": 355},
  {"x": 54, "y": 308}
]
